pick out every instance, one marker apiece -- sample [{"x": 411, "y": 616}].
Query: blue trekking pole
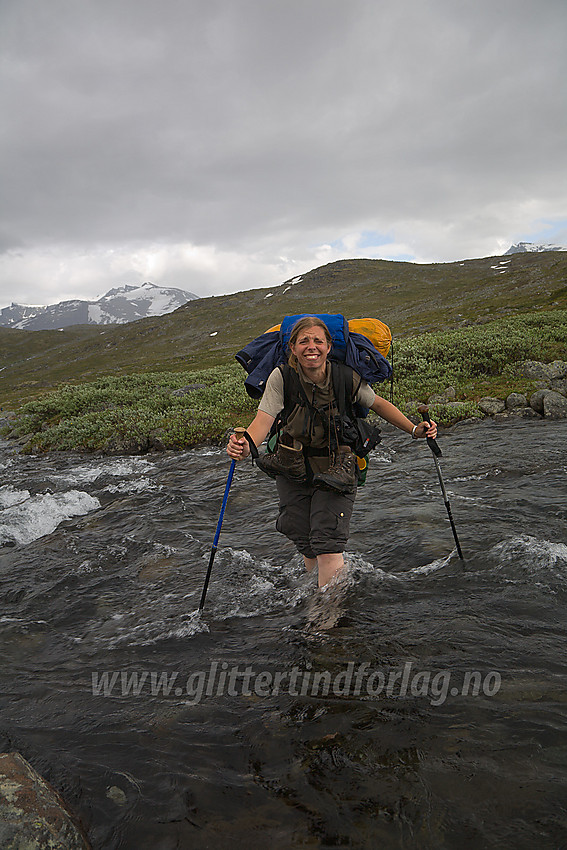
[{"x": 239, "y": 433}]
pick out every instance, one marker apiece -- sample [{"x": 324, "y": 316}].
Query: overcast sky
[{"x": 220, "y": 145}]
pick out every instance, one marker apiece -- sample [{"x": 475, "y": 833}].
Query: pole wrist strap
[{"x": 252, "y": 444}]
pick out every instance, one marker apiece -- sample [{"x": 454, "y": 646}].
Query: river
[{"x": 418, "y": 703}]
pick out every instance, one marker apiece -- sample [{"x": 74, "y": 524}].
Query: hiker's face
[{"x": 311, "y": 348}]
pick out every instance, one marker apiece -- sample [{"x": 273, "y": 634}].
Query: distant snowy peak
[
  {"x": 525, "y": 247},
  {"x": 11, "y": 316},
  {"x": 118, "y": 306},
  {"x": 145, "y": 300}
]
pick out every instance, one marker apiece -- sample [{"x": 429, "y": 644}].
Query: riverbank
[{"x": 462, "y": 374}]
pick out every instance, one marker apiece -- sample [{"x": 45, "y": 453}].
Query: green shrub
[
  {"x": 88, "y": 416},
  {"x": 430, "y": 362},
  {"x": 131, "y": 408}
]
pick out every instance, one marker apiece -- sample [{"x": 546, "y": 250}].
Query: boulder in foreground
[{"x": 32, "y": 814}]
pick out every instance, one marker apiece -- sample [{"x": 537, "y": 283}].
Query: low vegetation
[
  {"x": 410, "y": 298},
  {"x": 176, "y": 410},
  {"x": 475, "y": 359}
]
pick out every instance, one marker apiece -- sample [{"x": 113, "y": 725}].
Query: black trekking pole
[
  {"x": 437, "y": 453},
  {"x": 239, "y": 433}
]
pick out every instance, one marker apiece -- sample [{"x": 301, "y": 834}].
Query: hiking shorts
[{"x": 316, "y": 520}]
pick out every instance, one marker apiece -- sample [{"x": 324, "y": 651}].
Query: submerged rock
[
  {"x": 117, "y": 795},
  {"x": 32, "y": 814}
]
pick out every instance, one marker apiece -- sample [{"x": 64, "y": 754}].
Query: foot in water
[{"x": 328, "y": 605}]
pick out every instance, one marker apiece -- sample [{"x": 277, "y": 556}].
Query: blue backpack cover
[{"x": 261, "y": 356}]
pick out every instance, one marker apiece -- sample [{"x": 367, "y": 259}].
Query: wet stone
[
  {"x": 117, "y": 795},
  {"x": 526, "y": 413},
  {"x": 32, "y": 814},
  {"x": 126, "y": 445},
  {"x": 516, "y": 413},
  {"x": 155, "y": 440}
]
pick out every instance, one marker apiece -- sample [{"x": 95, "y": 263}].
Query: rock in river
[{"x": 32, "y": 815}]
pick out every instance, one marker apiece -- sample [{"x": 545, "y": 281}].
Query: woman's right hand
[{"x": 236, "y": 448}]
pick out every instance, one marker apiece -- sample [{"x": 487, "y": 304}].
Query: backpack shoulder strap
[
  {"x": 292, "y": 387},
  {"x": 345, "y": 386},
  {"x": 292, "y": 390}
]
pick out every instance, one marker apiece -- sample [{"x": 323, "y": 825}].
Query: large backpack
[
  {"x": 365, "y": 354},
  {"x": 361, "y": 344}
]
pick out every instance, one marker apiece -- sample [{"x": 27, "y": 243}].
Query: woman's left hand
[{"x": 426, "y": 429}]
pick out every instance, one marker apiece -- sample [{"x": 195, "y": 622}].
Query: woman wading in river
[{"x": 314, "y": 466}]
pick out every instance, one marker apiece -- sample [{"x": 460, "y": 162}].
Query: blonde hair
[{"x": 302, "y": 325}]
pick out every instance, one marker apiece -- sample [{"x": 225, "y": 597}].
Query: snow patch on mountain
[
  {"x": 118, "y": 306},
  {"x": 524, "y": 247}
]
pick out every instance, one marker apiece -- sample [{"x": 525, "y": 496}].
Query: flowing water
[{"x": 419, "y": 702}]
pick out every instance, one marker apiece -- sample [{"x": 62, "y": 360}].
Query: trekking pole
[
  {"x": 437, "y": 453},
  {"x": 239, "y": 433}
]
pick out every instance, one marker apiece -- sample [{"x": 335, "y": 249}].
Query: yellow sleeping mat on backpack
[{"x": 376, "y": 331}]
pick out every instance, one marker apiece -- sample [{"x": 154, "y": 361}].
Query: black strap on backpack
[
  {"x": 357, "y": 432},
  {"x": 348, "y": 427},
  {"x": 344, "y": 388}
]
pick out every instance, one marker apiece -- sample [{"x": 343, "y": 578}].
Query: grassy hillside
[
  {"x": 173, "y": 410},
  {"x": 410, "y": 298}
]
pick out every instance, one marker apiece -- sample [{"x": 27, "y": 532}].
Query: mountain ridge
[
  {"x": 525, "y": 247},
  {"x": 410, "y": 298},
  {"x": 120, "y": 305}
]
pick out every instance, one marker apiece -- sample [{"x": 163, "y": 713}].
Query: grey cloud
[{"x": 246, "y": 124}]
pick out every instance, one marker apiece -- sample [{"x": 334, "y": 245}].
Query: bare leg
[
  {"x": 329, "y": 565},
  {"x": 310, "y": 563}
]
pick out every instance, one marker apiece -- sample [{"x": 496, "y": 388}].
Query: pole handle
[
  {"x": 242, "y": 432},
  {"x": 239, "y": 432},
  {"x": 424, "y": 410}
]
